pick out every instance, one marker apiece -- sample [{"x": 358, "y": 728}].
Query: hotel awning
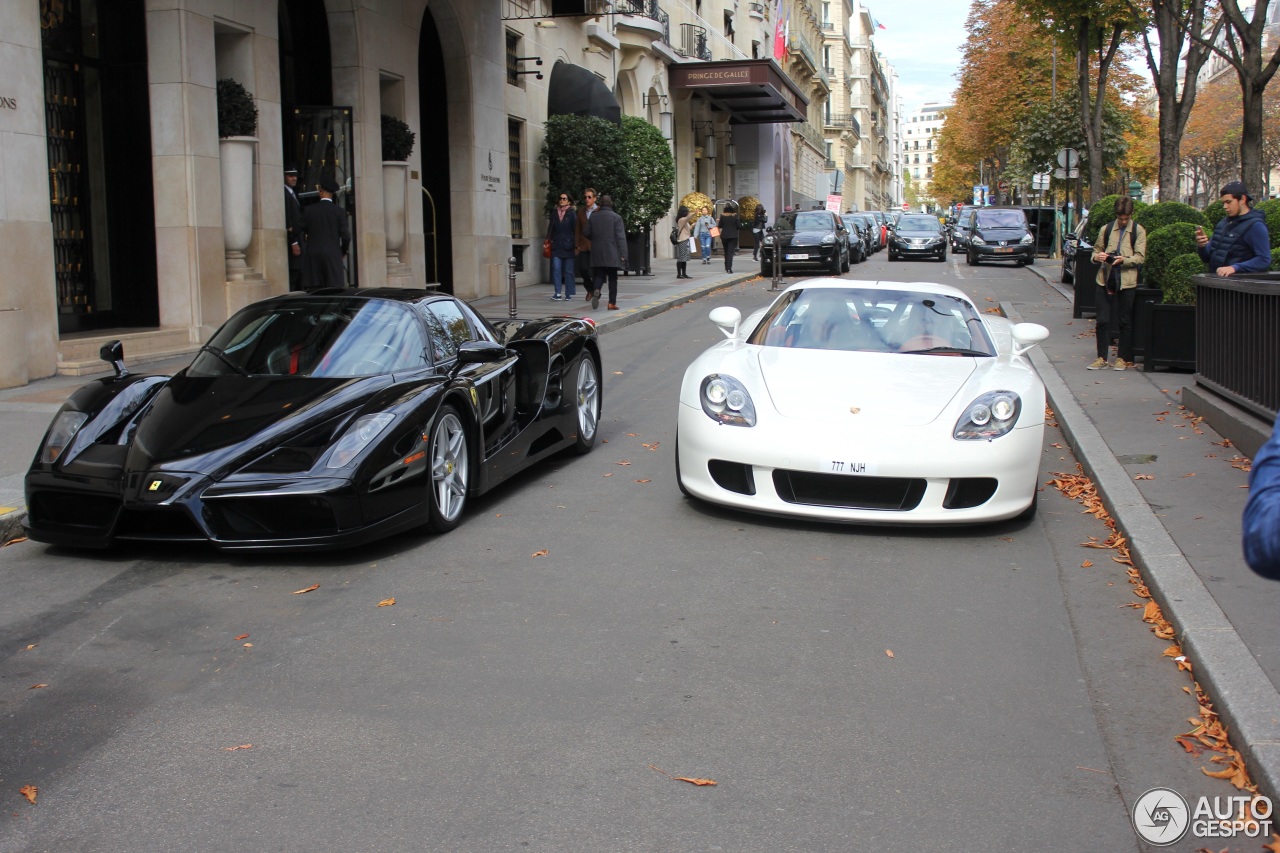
[{"x": 752, "y": 91}]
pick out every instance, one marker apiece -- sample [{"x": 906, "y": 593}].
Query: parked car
[
  {"x": 869, "y": 229},
  {"x": 918, "y": 235},
  {"x": 960, "y": 234},
  {"x": 864, "y": 401},
  {"x": 1072, "y": 242},
  {"x": 859, "y": 238},
  {"x": 882, "y": 236},
  {"x": 316, "y": 420},
  {"x": 999, "y": 234},
  {"x": 807, "y": 238}
]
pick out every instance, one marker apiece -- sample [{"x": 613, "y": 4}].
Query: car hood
[
  {"x": 825, "y": 385},
  {"x": 804, "y": 238},
  {"x": 918, "y": 235},
  {"x": 1000, "y": 233},
  {"x": 203, "y": 421}
]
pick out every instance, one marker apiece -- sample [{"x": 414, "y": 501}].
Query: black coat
[
  {"x": 294, "y": 225},
  {"x": 608, "y": 239},
  {"x": 328, "y": 239},
  {"x": 562, "y": 233},
  {"x": 728, "y": 226}
]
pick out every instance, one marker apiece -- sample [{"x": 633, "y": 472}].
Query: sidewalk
[{"x": 1181, "y": 518}]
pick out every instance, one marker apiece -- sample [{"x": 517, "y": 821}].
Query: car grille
[
  {"x": 733, "y": 476},
  {"x": 74, "y": 511},
  {"x": 291, "y": 516},
  {"x": 158, "y": 524},
  {"x": 897, "y": 494},
  {"x": 968, "y": 492}
]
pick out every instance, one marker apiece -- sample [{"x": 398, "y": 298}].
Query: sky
[{"x": 922, "y": 40}]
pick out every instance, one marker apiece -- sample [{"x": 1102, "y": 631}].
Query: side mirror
[
  {"x": 481, "y": 352},
  {"x": 727, "y": 318},
  {"x": 1026, "y": 336},
  {"x": 112, "y": 352}
]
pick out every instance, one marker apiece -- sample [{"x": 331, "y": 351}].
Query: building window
[
  {"x": 515, "y": 175},
  {"x": 513, "y": 50}
]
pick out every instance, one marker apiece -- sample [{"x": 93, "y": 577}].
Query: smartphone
[{"x": 1199, "y": 231}]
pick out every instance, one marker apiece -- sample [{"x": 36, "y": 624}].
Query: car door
[{"x": 493, "y": 383}]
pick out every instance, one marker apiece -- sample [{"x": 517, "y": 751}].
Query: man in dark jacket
[
  {"x": 1240, "y": 243},
  {"x": 582, "y": 243},
  {"x": 1262, "y": 512},
  {"x": 293, "y": 226},
  {"x": 608, "y": 250},
  {"x": 328, "y": 239}
]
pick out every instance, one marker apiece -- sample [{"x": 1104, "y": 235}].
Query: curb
[{"x": 1242, "y": 693}]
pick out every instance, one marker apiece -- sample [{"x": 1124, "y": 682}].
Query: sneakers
[
  {"x": 1121, "y": 364},
  {"x": 1098, "y": 363},
  {"x": 555, "y": 297}
]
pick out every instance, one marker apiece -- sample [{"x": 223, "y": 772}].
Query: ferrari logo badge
[
  {"x": 475, "y": 398},
  {"x": 155, "y": 485}
]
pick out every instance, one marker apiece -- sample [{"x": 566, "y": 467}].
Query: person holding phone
[
  {"x": 1241, "y": 242},
  {"x": 1119, "y": 253}
]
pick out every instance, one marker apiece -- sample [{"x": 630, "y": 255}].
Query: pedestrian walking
[
  {"x": 684, "y": 229},
  {"x": 702, "y": 229},
  {"x": 562, "y": 228},
  {"x": 1241, "y": 242},
  {"x": 582, "y": 262},
  {"x": 1262, "y": 512},
  {"x": 728, "y": 226},
  {"x": 293, "y": 226},
  {"x": 1119, "y": 253},
  {"x": 327, "y": 238},
  {"x": 759, "y": 221},
  {"x": 608, "y": 250}
]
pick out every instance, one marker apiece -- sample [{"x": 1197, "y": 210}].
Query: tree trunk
[
  {"x": 1090, "y": 103},
  {"x": 1171, "y": 30},
  {"x": 1251, "y": 134}
]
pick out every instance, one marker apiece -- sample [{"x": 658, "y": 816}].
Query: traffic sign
[
  {"x": 1068, "y": 158},
  {"x": 905, "y": 207},
  {"x": 1003, "y": 186},
  {"x": 1064, "y": 173}
]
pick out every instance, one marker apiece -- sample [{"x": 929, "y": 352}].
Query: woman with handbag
[
  {"x": 559, "y": 246},
  {"x": 684, "y": 229},
  {"x": 703, "y": 230}
]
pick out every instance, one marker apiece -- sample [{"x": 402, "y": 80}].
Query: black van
[{"x": 999, "y": 234}]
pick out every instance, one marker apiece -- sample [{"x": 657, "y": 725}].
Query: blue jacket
[
  {"x": 1262, "y": 512},
  {"x": 1241, "y": 242}
]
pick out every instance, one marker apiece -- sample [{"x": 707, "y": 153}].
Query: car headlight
[
  {"x": 828, "y": 239},
  {"x": 726, "y": 401},
  {"x": 357, "y": 437},
  {"x": 64, "y": 429},
  {"x": 977, "y": 241},
  {"x": 1026, "y": 239},
  {"x": 990, "y": 416}
]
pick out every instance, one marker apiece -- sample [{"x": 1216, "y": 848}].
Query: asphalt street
[{"x": 847, "y": 688}]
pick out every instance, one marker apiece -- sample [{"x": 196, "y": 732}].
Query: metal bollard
[
  {"x": 776, "y": 284},
  {"x": 511, "y": 288}
]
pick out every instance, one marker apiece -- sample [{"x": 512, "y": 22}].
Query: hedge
[
  {"x": 1214, "y": 212},
  {"x": 1177, "y": 286},
  {"x": 1164, "y": 213},
  {"x": 1165, "y": 244},
  {"x": 1102, "y": 212}
]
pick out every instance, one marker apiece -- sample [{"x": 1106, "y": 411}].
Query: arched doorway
[{"x": 433, "y": 107}]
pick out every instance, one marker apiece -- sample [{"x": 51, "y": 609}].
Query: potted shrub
[
  {"x": 654, "y": 171},
  {"x": 397, "y": 145},
  {"x": 1171, "y": 331},
  {"x": 237, "y": 129}
]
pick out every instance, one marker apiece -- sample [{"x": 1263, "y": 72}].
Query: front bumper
[
  {"x": 795, "y": 256},
  {"x": 1015, "y": 252},
  {"x": 902, "y": 476},
  {"x": 906, "y": 249}
]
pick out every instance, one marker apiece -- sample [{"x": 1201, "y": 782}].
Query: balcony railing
[
  {"x": 845, "y": 120},
  {"x": 831, "y": 164},
  {"x": 647, "y": 9},
  {"x": 759, "y": 11},
  {"x": 798, "y": 44},
  {"x": 693, "y": 42},
  {"x": 1237, "y": 326},
  {"x": 810, "y": 134}
]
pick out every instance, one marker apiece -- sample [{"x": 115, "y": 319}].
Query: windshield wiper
[
  {"x": 222, "y": 357},
  {"x": 945, "y": 351}
]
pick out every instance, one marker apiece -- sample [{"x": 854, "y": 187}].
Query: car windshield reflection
[
  {"x": 806, "y": 221},
  {"x": 316, "y": 337},
  {"x": 872, "y": 320}
]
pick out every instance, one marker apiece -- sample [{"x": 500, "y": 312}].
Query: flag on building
[
  {"x": 780, "y": 33},
  {"x": 879, "y": 26}
]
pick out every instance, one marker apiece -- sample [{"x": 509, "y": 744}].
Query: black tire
[
  {"x": 1031, "y": 260},
  {"x": 834, "y": 267},
  {"x": 1067, "y": 278},
  {"x": 942, "y": 256},
  {"x": 766, "y": 270},
  {"x": 1030, "y": 512},
  {"x": 844, "y": 267},
  {"x": 970, "y": 260},
  {"x": 679, "y": 479},
  {"x": 450, "y": 470},
  {"x": 586, "y": 404},
  {"x": 892, "y": 256}
]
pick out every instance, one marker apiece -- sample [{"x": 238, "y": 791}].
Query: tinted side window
[{"x": 448, "y": 328}]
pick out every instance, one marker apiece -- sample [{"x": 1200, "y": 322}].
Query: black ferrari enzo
[{"x": 316, "y": 420}]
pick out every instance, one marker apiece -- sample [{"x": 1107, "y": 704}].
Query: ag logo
[{"x": 1161, "y": 816}]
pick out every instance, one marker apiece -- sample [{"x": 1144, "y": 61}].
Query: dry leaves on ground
[
  {"x": 29, "y": 791},
  {"x": 387, "y": 602},
  {"x": 623, "y": 462},
  {"x": 689, "y": 779},
  {"x": 889, "y": 652},
  {"x": 234, "y": 748},
  {"x": 311, "y": 588},
  {"x": 541, "y": 553},
  {"x": 1087, "y": 564},
  {"x": 243, "y": 637},
  {"x": 37, "y": 687},
  {"x": 644, "y": 481},
  {"x": 1144, "y": 476},
  {"x": 14, "y": 541}
]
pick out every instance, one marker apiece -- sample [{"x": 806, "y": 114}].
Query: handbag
[
  {"x": 715, "y": 231},
  {"x": 546, "y": 248}
]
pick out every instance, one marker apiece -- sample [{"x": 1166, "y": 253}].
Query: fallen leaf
[
  {"x": 387, "y": 602},
  {"x": 29, "y": 791},
  {"x": 632, "y": 434},
  {"x": 14, "y": 541},
  {"x": 1005, "y": 538},
  {"x": 37, "y": 686},
  {"x": 243, "y": 637},
  {"x": 1087, "y": 564},
  {"x": 311, "y": 588},
  {"x": 623, "y": 462},
  {"x": 1144, "y": 476},
  {"x": 1185, "y": 476},
  {"x": 610, "y": 474},
  {"x": 234, "y": 748},
  {"x": 889, "y": 652},
  {"x": 541, "y": 553},
  {"x": 30, "y": 647},
  {"x": 248, "y": 645},
  {"x": 689, "y": 779},
  {"x": 651, "y": 447},
  {"x": 617, "y": 373},
  {"x": 644, "y": 481}
]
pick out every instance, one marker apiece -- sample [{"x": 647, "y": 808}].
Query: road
[{"x": 847, "y": 688}]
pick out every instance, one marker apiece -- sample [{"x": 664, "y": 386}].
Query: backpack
[
  {"x": 1114, "y": 273},
  {"x": 675, "y": 235}
]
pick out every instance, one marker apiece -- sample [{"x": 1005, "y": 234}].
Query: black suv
[
  {"x": 809, "y": 238},
  {"x": 999, "y": 234},
  {"x": 918, "y": 235}
]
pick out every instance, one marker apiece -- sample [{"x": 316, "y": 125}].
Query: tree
[
  {"x": 1048, "y": 128},
  {"x": 1210, "y": 143},
  {"x": 653, "y": 170},
  {"x": 1099, "y": 25},
  {"x": 1172, "y": 20},
  {"x": 583, "y": 151},
  {"x": 909, "y": 192}
]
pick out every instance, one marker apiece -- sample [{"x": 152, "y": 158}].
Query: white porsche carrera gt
[{"x": 865, "y": 401}]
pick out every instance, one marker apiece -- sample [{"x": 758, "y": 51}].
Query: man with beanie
[{"x": 1240, "y": 243}]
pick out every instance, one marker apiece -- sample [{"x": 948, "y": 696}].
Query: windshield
[
  {"x": 872, "y": 320},
  {"x": 316, "y": 336},
  {"x": 1002, "y": 219},
  {"x": 918, "y": 223},
  {"x": 809, "y": 220}
]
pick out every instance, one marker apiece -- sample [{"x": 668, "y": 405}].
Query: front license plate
[
  {"x": 837, "y": 466},
  {"x": 1005, "y": 251},
  {"x": 797, "y": 257}
]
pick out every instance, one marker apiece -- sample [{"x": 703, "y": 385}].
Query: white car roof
[{"x": 909, "y": 286}]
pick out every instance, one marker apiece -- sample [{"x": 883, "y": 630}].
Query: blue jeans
[
  {"x": 562, "y": 271},
  {"x": 706, "y": 244}
]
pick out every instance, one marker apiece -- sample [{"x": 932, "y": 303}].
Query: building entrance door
[{"x": 322, "y": 146}]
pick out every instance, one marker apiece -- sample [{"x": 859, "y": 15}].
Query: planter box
[
  {"x": 1170, "y": 337},
  {"x": 1142, "y": 302},
  {"x": 638, "y": 250},
  {"x": 1086, "y": 288}
]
